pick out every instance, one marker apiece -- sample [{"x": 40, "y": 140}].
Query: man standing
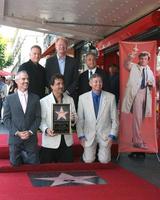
[
  {"x": 113, "y": 80},
  {"x": 35, "y": 72},
  {"x": 3, "y": 94},
  {"x": 63, "y": 64},
  {"x": 55, "y": 147},
  {"x": 83, "y": 83},
  {"x": 97, "y": 121},
  {"x": 137, "y": 98},
  {"x": 22, "y": 116}
]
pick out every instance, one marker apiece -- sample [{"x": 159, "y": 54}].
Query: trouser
[
  {"x": 62, "y": 154},
  {"x": 23, "y": 153},
  {"x": 104, "y": 152},
  {"x": 1, "y": 104},
  {"x": 138, "y": 115}
]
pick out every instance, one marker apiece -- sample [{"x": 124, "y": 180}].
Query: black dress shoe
[
  {"x": 132, "y": 155},
  {"x": 137, "y": 155},
  {"x": 141, "y": 155}
]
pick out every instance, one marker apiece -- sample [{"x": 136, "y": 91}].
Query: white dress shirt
[
  {"x": 148, "y": 75},
  {"x": 23, "y": 97},
  {"x": 91, "y": 71}
]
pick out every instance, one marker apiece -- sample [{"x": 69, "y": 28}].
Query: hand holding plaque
[{"x": 61, "y": 118}]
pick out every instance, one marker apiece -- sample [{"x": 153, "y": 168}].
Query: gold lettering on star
[{"x": 61, "y": 114}]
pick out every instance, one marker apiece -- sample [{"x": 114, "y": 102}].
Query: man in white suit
[
  {"x": 138, "y": 98},
  {"x": 97, "y": 121},
  {"x": 55, "y": 147}
]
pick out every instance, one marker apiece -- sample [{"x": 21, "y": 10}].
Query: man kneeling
[
  {"x": 22, "y": 116},
  {"x": 97, "y": 121},
  {"x": 55, "y": 147}
]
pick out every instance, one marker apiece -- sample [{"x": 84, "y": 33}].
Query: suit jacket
[
  {"x": 36, "y": 75},
  {"x": 70, "y": 72},
  {"x": 106, "y": 122},
  {"x": 132, "y": 87},
  {"x": 47, "y": 116},
  {"x": 83, "y": 82},
  {"x": 114, "y": 85},
  {"x": 16, "y": 120}
]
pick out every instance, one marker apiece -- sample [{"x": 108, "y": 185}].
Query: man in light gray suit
[
  {"x": 22, "y": 116},
  {"x": 97, "y": 121},
  {"x": 138, "y": 98}
]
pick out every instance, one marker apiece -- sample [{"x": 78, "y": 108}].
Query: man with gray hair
[
  {"x": 97, "y": 121},
  {"x": 22, "y": 116},
  {"x": 36, "y": 72},
  {"x": 83, "y": 82}
]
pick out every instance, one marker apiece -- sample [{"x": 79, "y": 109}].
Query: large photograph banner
[{"x": 138, "y": 97}]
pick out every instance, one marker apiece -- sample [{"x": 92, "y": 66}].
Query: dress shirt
[
  {"x": 147, "y": 75},
  {"x": 23, "y": 97},
  {"x": 61, "y": 62},
  {"x": 91, "y": 72}
]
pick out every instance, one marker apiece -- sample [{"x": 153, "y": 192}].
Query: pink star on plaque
[
  {"x": 65, "y": 178},
  {"x": 61, "y": 114}
]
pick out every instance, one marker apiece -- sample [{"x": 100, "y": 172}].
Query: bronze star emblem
[{"x": 61, "y": 114}]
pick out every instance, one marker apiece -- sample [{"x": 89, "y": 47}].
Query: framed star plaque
[{"x": 62, "y": 118}]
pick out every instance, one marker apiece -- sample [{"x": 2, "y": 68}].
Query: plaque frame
[{"x": 61, "y": 119}]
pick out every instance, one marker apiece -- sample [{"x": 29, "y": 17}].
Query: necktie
[
  {"x": 24, "y": 103},
  {"x": 90, "y": 74},
  {"x": 96, "y": 104},
  {"x": 143, "y": 79}
]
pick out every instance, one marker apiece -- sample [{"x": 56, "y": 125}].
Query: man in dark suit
[
  {"x": 114, "y": 81},
  {"x": 83, "y": 83},
  {"x": 22, "y": 116},
  {"x": 63, "y": 64},
  {"x": 35, "y": 72}
]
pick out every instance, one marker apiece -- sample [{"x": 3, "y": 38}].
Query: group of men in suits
[{"x": 97, "y": 117}]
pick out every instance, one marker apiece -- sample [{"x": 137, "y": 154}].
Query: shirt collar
[
  {"x": 34, "y": 62},
  {"x": 56, "y": 99},
  {"x": 96, "y": 94},
  {"x": 22, "y": 93},
  {"x": 92, "y": 70},
  {"x": 143, "y": 67},
  {"x": 62, "y": 58}
]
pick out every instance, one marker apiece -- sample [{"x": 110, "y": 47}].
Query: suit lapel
[
  {"x": 18, "y": 103},
  {"x": 90, "y": 104},
  {"x": 86, "y": 81},
  {"x": 56, "y": 66},
  {"x": 28, "y": 102},
  {"x": 66, "y": 68},
  {"x": 103, "y": 101},
  {"x": 52, "y": 100}
]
